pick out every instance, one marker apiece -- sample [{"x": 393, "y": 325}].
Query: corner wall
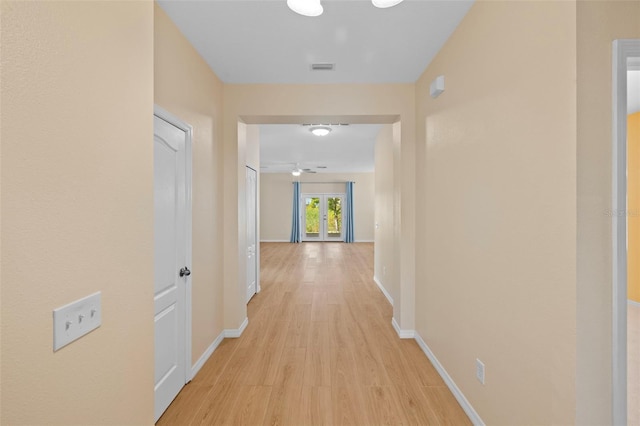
[
  {"x": 496, "y": 215},
  {"x": 77, "y": 209},
  {"x": 186, "y": 87}
]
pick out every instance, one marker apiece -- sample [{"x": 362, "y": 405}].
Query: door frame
[
  {"x": 622, "y": 50},
  {"x": 323, "y": 226},
  {"x": 188, "y": 129}
]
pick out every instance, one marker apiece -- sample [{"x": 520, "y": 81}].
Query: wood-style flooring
[{"x": 319, "y": 350}]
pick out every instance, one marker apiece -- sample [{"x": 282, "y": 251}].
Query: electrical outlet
[
  {"x": 72, "y": 321},
  {"x": 480, "y": 371}
]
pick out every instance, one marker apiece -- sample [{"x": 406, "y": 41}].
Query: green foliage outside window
[
  {"x": 334, "y": 215},
  {"x": 312, "y": 211},
  {"x": 334, "y": 219}
]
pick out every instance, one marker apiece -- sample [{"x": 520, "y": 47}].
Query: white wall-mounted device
[{"x": 437, "y": 86}]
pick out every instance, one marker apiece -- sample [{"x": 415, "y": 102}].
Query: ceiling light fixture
[
  {"x": 383, "y": 4},
  {"x": 296, "y": 172},
  {"x": 320, "y": 130},
  {"x": 306, "y": 7}
]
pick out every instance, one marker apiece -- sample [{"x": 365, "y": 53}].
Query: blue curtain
[
  {"x": 348, "y": 219},
  {"x": 296, "y": 236}
]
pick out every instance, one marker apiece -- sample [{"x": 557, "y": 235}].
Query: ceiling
[
  {"x": 263, "y": 41},
  {"x": 347, "y": 149}
]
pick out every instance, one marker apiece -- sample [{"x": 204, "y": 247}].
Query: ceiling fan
[
  {"x": 297, "y": 171},
  {"x": 295, "y": 168}
]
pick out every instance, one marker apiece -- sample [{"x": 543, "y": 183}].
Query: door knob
[{"x": 185, "y": 272}]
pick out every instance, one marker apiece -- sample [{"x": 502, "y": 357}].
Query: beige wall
[
  {"x": 276, "y": 202},
  {"x": 383, "y": 206},
  {"x": 599, "y": 23},
  {"x": 77, "y": 209},
  {"x": 364, "y": 103},
  {"x": 497, "y": 210},
  {"x": 186, "y": 86}
]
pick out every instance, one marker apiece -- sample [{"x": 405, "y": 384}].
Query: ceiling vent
[{"x": 322, "y": 67}]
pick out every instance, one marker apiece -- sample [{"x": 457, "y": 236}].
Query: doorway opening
[{"x": 361, "y": 149}]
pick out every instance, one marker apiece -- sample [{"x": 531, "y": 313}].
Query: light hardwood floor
[{"x": 319, "y": 349}]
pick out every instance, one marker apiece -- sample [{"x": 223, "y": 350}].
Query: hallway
[{"x": 319, "y": 349}]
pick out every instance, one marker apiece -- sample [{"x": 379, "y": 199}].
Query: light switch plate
[
  {"x": 480, "y": 371},
  {"x": 72, "y": 321}
]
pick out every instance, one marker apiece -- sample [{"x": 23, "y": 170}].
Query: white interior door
[
  {"x": 170, "y": 260},
  {"x": 322, "y": 217},
  {"x": 252, "y": 233}
]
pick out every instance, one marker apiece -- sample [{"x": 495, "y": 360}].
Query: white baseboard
[
  {"x": 206, "y": 355},
  {"x": 230, "y": 333},
  {"x": 384, "y": 290},
  {"x": 633, "y": 302},
  {"x": 365, "y": 241},
  {"x": 236, "y": 332},
  {"x": 403, "y": 334},
  {"x": 457, "y": 393}
]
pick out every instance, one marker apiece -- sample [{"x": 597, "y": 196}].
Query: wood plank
[
  {"x": 252, "y": 408},
  {"x": 186, "y": 405},
  {"x": 350, "y": 406},
  {"x": 315, "y": 406},
  {"x": 444, "y": 406},
  {"x": 385, "y": 406}
]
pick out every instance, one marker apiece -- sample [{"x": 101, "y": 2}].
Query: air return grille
[{"x": 322, "y": 67}]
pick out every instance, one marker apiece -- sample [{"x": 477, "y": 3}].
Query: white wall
[{"x": 276, "y": 202}]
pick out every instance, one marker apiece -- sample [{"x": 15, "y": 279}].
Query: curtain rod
[{"x": 322, "y": 182}]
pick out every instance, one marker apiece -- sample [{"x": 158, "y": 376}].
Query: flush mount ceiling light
[
  {"x": 296, "y": 172},
  {"x": 383, "y": 4},
  {"x": 320, "y": 130},
  {"x": 306, "y": 7}
]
